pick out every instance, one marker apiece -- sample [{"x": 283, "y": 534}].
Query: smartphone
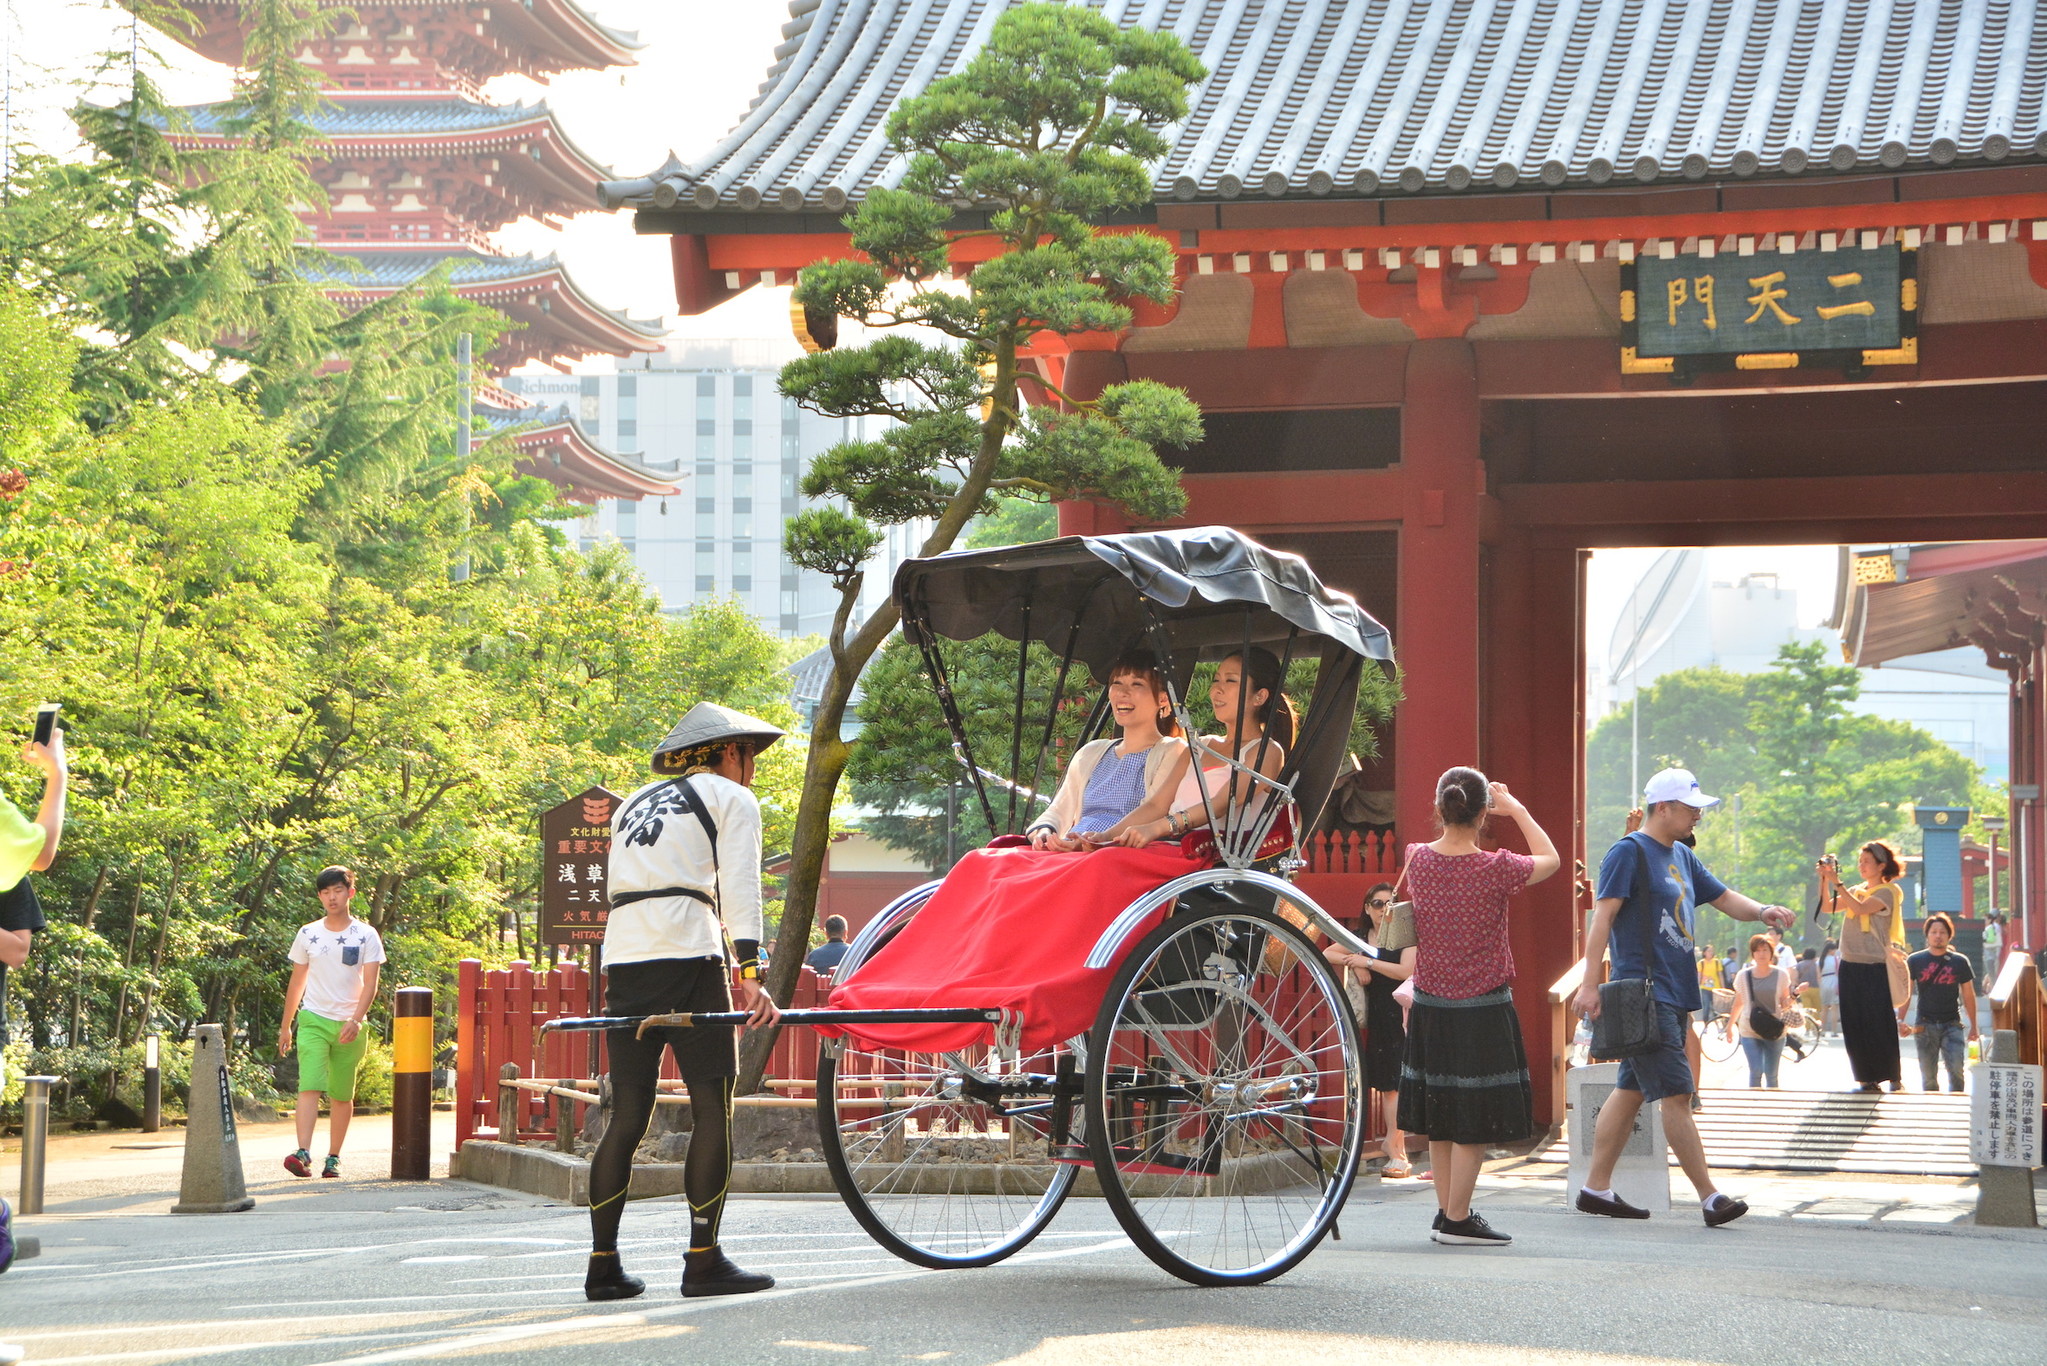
[{"x": 46, "y": 722}]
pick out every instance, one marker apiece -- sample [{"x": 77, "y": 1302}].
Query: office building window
[
  {"x": 628, "y": 386},
  {"x": 742, "y": 583},
  {"x": 707, "y": 583},
  {"x": 628, "y": 427},
  {"x": 707, "y": 523},
  {"x": 742, "y": 387},
  {"x": 628, "y": 407},
  {"x": 707, "y": 505},
  {"x": 707, "y": 387},
  {"x": 742, "y": 477},
  {"x": 790, "y": 625},
  {"x": 586, "y": 385}
]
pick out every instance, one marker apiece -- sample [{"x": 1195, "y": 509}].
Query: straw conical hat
[{"x": 710, "y": 724}]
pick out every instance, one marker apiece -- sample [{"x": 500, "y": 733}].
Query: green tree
[
  {"x": 1015, "y": 521},
  {"x": 1053, "y": 124}
]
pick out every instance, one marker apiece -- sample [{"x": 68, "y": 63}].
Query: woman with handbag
[
  {"x": 1872, "y": 927},
  {"x": 1389, "y": 933},
  {"x": 1762, "y": 998},
  {"x": 1464, "y": 1080}
]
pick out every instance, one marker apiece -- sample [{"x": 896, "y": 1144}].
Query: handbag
[
  {"x": 1900, "y": 974},
  {"x": 1766, "y": 1024},
  {"x": 1627, "y": 1026}
]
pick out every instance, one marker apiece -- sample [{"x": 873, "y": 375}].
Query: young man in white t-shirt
[{"x": 336, "y": 961}]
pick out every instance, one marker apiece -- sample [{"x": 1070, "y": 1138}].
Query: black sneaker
[
  {"x": 1436, "y": 1222},
  {"x": 1470, "y": 1231},
  {"x": 713, "y": 1273},
  {"x": 1613, "y": 1207},
  {"x": 1725, "y": 1211},
  {"x": 606, "y": 1279}
]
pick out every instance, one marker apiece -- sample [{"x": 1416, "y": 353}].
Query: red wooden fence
[{"x": 498, "y": 1017}]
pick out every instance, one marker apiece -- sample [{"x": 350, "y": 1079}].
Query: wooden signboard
[
  {"x": 1848, "y": 308},
  {"x": 575, "y": 854}
]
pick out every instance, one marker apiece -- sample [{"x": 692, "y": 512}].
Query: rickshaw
[{"x": 1217, "y": 1102}]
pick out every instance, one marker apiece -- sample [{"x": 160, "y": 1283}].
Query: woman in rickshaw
[{"x": 1108, "y": 779}]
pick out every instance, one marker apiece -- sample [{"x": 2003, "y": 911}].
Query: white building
[
  {"x": 1679, "y": 617},
  {"x": 709, "y": 413}
]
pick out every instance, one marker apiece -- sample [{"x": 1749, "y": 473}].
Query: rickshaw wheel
[
  {"x": 939, "y": 1177},
  {"x": 1224, "y": 1100}
]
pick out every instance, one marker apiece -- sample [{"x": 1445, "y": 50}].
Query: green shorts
[{"x": 325, "y": 1063}]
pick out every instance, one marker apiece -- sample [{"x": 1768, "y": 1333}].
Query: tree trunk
[{"x": 116, "y": 1031}]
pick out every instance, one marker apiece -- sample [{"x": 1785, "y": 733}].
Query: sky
[{"x": 702, "y": 65}]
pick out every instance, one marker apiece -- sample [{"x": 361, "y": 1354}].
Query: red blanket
[{"x": 1009, "y": 928}]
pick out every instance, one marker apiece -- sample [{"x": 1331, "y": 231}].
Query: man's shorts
[
  {"x": 1664, "y": 1072},
  {"x": 325, "y": 1063},
  {"x": 671, "y": 986}
]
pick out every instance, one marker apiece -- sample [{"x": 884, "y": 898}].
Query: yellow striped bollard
[{"x": 412, "y": 1077}]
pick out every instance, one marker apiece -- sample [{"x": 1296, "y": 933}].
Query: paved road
[{"x": 366, "y": 1271}]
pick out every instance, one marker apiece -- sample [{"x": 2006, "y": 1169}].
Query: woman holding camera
[{"x": 1871, "y": 920}]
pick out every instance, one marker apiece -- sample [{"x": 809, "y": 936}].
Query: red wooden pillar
[
  {"x": 1534, "y": 721},
  {"x": 468, "y": 1006},
  {"x": 1439, "y": 645}
]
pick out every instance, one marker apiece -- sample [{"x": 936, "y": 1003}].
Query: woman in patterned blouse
[{"x": 1464, "y": 1081}]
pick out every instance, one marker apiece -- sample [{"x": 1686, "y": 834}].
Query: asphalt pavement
[{"x": 365, "y": 1270}]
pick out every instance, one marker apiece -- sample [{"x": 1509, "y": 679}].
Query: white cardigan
[{"x": 1066, "y": 804}]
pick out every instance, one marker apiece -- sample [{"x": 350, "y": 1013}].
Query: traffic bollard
[
  {"x": 35, "y": 1140},
  {"x": 412, "y": 1083},
  {"x": 152, "y": 1087}
]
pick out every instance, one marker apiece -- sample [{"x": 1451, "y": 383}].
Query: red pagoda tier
[
  {"x": 409, "y": 46},
  {"x": 562, "y": 322},
  {"x": 441, "y": 170},
  {"x": 554, "y": 447}
]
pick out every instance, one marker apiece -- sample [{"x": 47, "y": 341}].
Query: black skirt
[
  {"x": 1465, "y": 1076},
  {"x": 1385, "y": 1034},
  {"x": 1869, "y": 1026}
]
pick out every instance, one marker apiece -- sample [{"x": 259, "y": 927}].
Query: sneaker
[
  {"x": 1612, "y": 1207},
  {"x": 1470, "y": 1231},
  {"x": 606, "y": 1279},
  {"x": 1723, "y": 1210},
  {"x": 6, "y": 1238},
  {"x": 299, "y": 1163},
  {"x": 1436, "y": 1222},
  {"x": 332, "y": 1167},
  {"x": 711, "y": 1272}
]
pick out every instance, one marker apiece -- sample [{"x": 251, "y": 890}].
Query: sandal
[{"x": 1397, "y": 1169}]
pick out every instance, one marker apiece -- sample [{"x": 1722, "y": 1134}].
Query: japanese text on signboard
[
  {"x": 1845, "y": 300},
  {"x": 2004, "y": 1115},
  {"x": 575, "y": 857}
]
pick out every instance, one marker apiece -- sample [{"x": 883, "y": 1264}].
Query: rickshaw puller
[{"x": 685, "y": 855}]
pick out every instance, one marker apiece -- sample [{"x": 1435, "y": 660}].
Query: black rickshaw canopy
[{"x": 1187, "y": 594}]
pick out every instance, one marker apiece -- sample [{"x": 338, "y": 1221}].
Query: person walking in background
[
  {"x": 26, "y": 846},
  {"x": 1730, "y": 963},
  {"x": 1830, "y": 987},
  {"x": 1807, "y": 982},
  {"x": 1993, "y": 945},
  {"x": 1389, "y": 932},
  {"x": 1945, "y": 985},
  {"x": 336, "y": 963},
  {"x": 1762, "y": 998},
  {"x": 1651, "y": 885},
  {"x": 824, "y": 959},
  {"x": 1872, "y": 921},
  {"x": 1464, "y": 1080},
  {"x": 1787, "y": 959}
]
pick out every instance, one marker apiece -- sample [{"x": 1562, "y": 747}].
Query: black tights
[{"x": 706, "y": 1173}]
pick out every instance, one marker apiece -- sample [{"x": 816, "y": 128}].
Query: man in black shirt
[
  {"x": 1944, "y": 985},
  {"x": 23, "y": 844}
]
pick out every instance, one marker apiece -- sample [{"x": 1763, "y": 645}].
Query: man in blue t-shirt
[{"x": 1650, "y": 887}]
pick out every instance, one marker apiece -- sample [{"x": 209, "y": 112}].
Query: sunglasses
[{"x": 1379, "y": 905}]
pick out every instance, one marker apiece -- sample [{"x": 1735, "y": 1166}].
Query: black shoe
[
  {"x": 1470, "y": 1231},
  {"x": 1612, "y": 1208},
  {"x": 606, "y": 1279},
  {"x": 1436, "y": 1222},
  {"x": 712, "y": 1273},
  {"x": 1726, "y": 1212}
]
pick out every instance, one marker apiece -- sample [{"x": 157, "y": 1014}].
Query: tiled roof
[
  {"x": 357, "y": 117},
  {"x": 1312, "y": 98},
  {"x": 395, "y": 269}
]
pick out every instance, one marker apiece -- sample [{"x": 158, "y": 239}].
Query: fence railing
[
  {"x": 499, "y": 1012},
  {"x": 1372, "y": 852}
]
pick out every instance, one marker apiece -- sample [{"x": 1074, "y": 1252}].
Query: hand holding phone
[{"x": 46, "y": 722}]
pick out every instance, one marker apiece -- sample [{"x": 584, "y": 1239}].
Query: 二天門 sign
[
  {"x": 1852, "y": 306},
  {"x": 575, "y": 857}
]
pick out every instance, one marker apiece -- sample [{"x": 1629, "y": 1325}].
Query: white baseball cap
[{"x": 1677, "y": 785}]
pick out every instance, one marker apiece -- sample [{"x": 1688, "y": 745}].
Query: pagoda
[{"x": 419, "y": 170}]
